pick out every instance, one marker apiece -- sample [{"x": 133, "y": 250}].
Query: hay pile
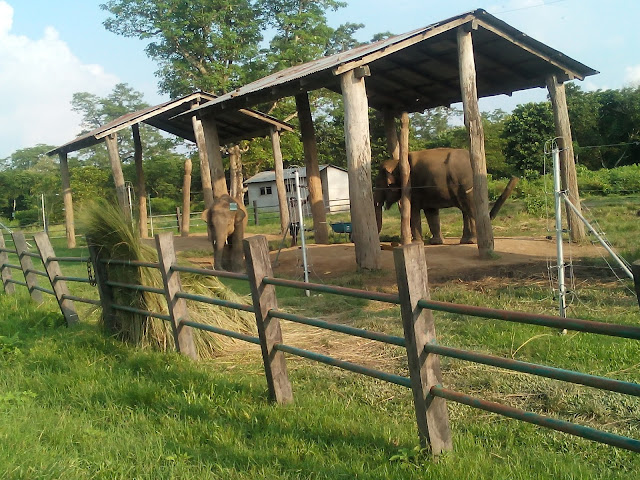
[{"x": 116, "y": 238}]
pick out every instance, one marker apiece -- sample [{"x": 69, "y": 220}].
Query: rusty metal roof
[
  {"x": 419, "y": 69},
  {"x": 233, "y": 125}
]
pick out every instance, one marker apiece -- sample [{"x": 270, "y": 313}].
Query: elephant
[
  {"x": 440, "y": 178},
  {"x": 226, "y": 222}
]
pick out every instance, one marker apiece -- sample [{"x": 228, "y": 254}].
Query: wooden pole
[
  {"x": 503, "y": 197},
  {"x": 54, "y": 273},
  {"x": 255, "y": 213},
  {"x": 280, "y": 187},
  {"x": 635, "y": 268},
  {"x": 5, "y": 272},
  {"x": 27, "y": 266},
  {"x": 356, "y": 129},
  {"x": 212, "y": 141},
  {"x": 205, "y": 169},
  {"x": 186, "y": 198},
  {"x": 405, "y": 181},
  {"x": 233, "y": 171},
  {"x": 105, "y": 292},
  {"x": 473, "y": 122},
  {"x": 68, "y": 200},
  {"x": 391, "y": 133},
  {"x": 182, "y": 334},
  {"x": 256, "y": 252},
  {"x": 141, "y": 189},
  {"x": 568, "y": 175},
  {"x": 419, "y": 331},
  {"x": 118, "y": 177},
  {"x": 314, "y": 183}
]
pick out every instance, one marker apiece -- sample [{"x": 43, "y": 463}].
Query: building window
[{"x": 265, "y": 190}]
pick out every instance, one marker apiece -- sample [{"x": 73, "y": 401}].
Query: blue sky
[{"x": 50, "y": 49}]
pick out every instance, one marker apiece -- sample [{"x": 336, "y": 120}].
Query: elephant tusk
[{"x": 469, "y": 191}]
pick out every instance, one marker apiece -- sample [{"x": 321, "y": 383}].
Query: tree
[{"x": 25, "y": 158}]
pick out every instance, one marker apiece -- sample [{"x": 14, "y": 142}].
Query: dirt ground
[{"x": 515, "y": 255}]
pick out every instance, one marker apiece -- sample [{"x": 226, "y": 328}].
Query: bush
[
  {"x": 615, "y": 181},
  {"x": 28, "y": 217},
  {"x": 162, "y": 206}
]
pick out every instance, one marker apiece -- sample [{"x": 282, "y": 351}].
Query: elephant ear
[
  {"x": 240, "y": 216},
  {"x": 205, "y": 214}
]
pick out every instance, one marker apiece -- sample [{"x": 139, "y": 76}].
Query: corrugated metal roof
[
  {"x": 419, "y": 69},
  {"x": 288, "y": 174},
  {"x": 233, "y": 125}
]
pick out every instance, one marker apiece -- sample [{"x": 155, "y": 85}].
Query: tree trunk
[
  {"x": 235, "y": 170},
  {"x": 568, "y": 176},
  {"x": 118, "y": 177},
  {"x": 186, "y": 199},
  {"x": 219, "y": 183},
  {"x": 205, "y": 169},
  {"x": 280, "y": 187},
  {"x": 405, "y": 181},
  {"x": 141, "y": 188},
  {"x": 391, "y": 132},
  {"x": 68, "y": 201},
  {"x": 314, "y": 184},
  {"x": 356, "y": 130},
  {"x": 473, "y": 122}
]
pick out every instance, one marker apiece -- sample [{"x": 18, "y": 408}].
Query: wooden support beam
[
  {"x": 405, "y": 181},
  {"x": 141, "y": 189},
  {"x": 212, "y": 141},
  {"x": 280, "y": 187},
  {"x": 473, "y": 122},
  {"x": 356, "y": 130},
  {"x": 118, "y": 177},
  {"x": 27, "y": 266},
  {"x": 256, "y": 252},
  {"x": 186, "y": 199},
  {"x": 391, "y": 134},
  {"x": 419, "y": 330},
  {"x": 5, "y": 272},
  {"x": 568, "y": 175},
  {"x": 54, "y": 273},
  {"x": 235, "y": 173},
  {"x": 205, "y": 169},
  {"x": 68, "y": 201},
  {"x": 314, "y": 184}
]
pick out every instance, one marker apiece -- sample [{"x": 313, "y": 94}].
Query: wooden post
[
  {"x": 419, "y": 330},
  {"x": 68, "y": 201},
  {"x": 255, "y": 213},
  {"x": 391, "y": 133},
  {"x": 280, "y": 187},
  {"x": 568, "y": 175},
  {"x": 141, "y": 189},
  {"x": 5, "y": 272},
  {"x": 235, "y": 173},
  {"x": 405, "y": 181},
  {"x": 473, "y": 122},
  {"x": 314, "y": 184},
  {"x": 59, "y": 286},
  {"x": 205, "y": 169},
  {"x": 218, "y": 181},
  {"x": 256, "y": 252},
  {"x": 182, "y": 334},
  {"x": 118, "y": 177},
  {"x": 356, "y": 129},
  {"x": 635, "y": 268},
  {"x": 105, "y": 292},
  {"x": 27, "y": 266},
  {"x": 503, "y": 197},
  {"x": 186, "y": 199},
  {"x": 178, "y": 220}
]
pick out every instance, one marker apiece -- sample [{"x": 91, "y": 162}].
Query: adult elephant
[
  {"x": 440, "y": 178},
  {"x": 226, "y": 222}
]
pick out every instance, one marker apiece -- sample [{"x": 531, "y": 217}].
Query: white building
[{"x": 261, "y": 188}]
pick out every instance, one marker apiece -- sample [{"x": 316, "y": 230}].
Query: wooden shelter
[
  {"x": 459, "y": 59},
  {"x": 228, "y": 129}
]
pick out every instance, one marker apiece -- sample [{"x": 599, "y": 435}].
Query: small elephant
[
  {"x": 226, "y": 222},
  {"x": 440, "y": 178}
]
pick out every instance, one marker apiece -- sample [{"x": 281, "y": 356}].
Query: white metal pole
[
  {"x": 150, "y": 216},
  {"x": 44, "y": 215},
  {"x": 562, "y": 289},
  {"x": 301, "y": 233}
]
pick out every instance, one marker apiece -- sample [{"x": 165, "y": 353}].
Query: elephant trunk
[{"x": 378, "y": 209}]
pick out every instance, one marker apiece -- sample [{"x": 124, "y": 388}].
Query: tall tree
[{"x": 25, "y": 158}]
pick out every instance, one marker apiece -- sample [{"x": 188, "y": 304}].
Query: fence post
[
  {"x": 182, "y": 334},
  {"x": 635, "y": 268},
  {"x": 255, "y": 213},
  {"x": 52, "y": 267},
  {"x": 27, "y": 265},
  {"x": 104, "y": 291},
  {"x": 419, "y": 330},
  {"x": 179, "y": 219},
  {"x": 5, "y": 271},
  {"x": 256, "y": 252}
]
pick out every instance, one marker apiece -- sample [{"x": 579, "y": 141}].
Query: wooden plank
[
  {"x": 5, "y": 272},
  {"x": 256, "y": 252},
  {"x": 182, "y": 334},
  {"x": 68, "y": 201},
  {"x": 118, "y": 177},
  {"x": 280, "y": 187},
  {"x": 52, "y": 267},
  {"x": 105, "y": 292},
  {"x": 141, "y": 189},
  {"x": 314, "y": 184},
  {"x": 25, "y": 262},
  {"x": 635, "y": 268},
  {"x": 186, "y": 199},
  {"x": 205, "y": 169},
  {"x": 473, "y": 122},
  {"x": 269, "y": 120},
  {"x": 568, "y": 175},
  {"x": 356, "y": 129},
  {"x": 419, "y": 330},
  {"x": 405, "y": 181},
  {"x": 503, "y": 197},
  {"x": 212, "y": 142}
]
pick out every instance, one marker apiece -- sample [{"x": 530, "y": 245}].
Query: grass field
[{"x": 78, "y": 405}]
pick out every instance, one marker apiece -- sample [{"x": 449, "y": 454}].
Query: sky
[{"x": 50, "y": 49}]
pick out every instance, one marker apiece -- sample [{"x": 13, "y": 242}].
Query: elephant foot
[
  {"x": 436, "y": 241},
  {"x": 467, "y": 241}
]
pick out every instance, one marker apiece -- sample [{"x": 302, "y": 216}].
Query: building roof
[
  {"x": 233, "y": 125},
  {"x": 419, "y": 69},
  {"x": 288, "y": 174}
]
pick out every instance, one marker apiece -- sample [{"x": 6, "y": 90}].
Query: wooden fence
[{"x": 422, "y": 350}]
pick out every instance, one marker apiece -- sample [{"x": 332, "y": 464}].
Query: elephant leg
[
  {"x": 236, "y": 252},
  {"x": 433, "y": 219},
  {"x": 468, "y": 220},
  {"x": 416, "y": 224}
]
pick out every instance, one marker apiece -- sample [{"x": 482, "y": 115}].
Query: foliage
[{"x": 25, "y": 158}]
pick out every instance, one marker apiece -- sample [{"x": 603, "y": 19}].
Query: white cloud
[
  {"x": 37, "y": 79},
  {"x": 632, "y": 75}
]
